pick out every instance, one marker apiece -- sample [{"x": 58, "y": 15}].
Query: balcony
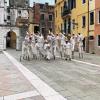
[
  {"x": 21, "y": 22},
  {"x": 66, "y": 13}
]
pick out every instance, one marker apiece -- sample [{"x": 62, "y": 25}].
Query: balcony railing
[
  {"x": 21, "y": 22},
  {"x": 66, "y": 12}
]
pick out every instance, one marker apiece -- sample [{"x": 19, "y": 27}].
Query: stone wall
[{"x": 3, "y": 33}]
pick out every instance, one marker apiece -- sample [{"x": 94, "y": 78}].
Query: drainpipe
[
  {"x": 87, "y": 50},
  {"x": 34, "y": 18}
]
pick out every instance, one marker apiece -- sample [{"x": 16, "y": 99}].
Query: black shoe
[{"x": 66, "y": 59}]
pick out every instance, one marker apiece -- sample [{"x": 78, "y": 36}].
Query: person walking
[
  {"x": 47, "y": 50},
  {"x": 73, "y": 41},
  {"x": 68, "y": 51},
  {"x": 80, "y": 44},
  {"x": 62, "y": 37}
]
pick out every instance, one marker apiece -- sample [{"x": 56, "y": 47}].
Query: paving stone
[
  {"x": 73, "y": 98},
  {"x": 11, "y": 79},
  {"x": 79, "y": 81},
  {"x": 34, "y": 98}
]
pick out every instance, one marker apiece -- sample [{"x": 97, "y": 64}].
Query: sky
[{"x": 51, "y": 2}]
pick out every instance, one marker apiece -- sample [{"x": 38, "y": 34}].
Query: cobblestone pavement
[
  {"x": 72, "y": 79},
  {"x": 13, "y": 85},
  {"x": 92, "y": 58}
]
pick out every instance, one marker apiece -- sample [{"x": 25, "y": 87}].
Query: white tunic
[
  {"x": 47, "y": 51},
  {"x": 69, "y": 49},
  {"x": 62, "y": 40},
  {"x": 73, "y": 43}
]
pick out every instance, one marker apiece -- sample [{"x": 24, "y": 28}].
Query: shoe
[{"x": 66, "y": 59}]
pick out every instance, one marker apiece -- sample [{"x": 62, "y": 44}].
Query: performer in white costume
[
  {"x": 47, "y": 50},
  {"x": 73, "y": 41},
  {"x": 62, "y": 39},
  {"x": 68, "y": 53},
  {"x": 80, "y": 45}
]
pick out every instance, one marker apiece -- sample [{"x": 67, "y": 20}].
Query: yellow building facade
[
  {"x": 58, "y": 15},
  {"x": 80, "y": 16},
  {"x": 76, "y": 13},
  {"x": 79, "y": 20},
  {"x": 84, "y": 15}
]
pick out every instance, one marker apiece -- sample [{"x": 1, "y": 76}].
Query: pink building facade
[{"x": 97, "y": 26}]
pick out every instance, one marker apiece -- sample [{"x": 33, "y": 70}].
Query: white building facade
[{"x": 12, "y": 35}]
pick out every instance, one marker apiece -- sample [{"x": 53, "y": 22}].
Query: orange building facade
[{"x": 97, "y": 26}]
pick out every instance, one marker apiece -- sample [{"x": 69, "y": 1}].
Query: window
[
  {"x": 26, "y": 2},
  {"x": 73, "y": 23},
  {"x": 8, "y": 10},
  {"x": 91, "y": 37},
  {"x": 36, "y": 29},
  {"x": 19, "y": 12},
  {"x": 98, "y": 40},
  {"x": 42, "y": 16},
  {"x": 83, "y": 1},
  {"x": 61, "y": 27},
  {"x": 8, "y": 17},
  {"x": 56, "y": 14},
  {"x": 50, "y": 18},
  {"x": 99, "y": 17},
  {"x": 41, "y": 6},
  {"x": 61, "y": 11},
  {"x": 91, "y": 18},
  {"x": 83, "y": 21},
  {"x": 73, "y": 4},
  {"x": 55, "y": 1}
]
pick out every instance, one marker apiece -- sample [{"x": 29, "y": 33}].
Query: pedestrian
[
  {"x": 68, "y": 50},
  {"x": 73, "y": 41},
  {"x": 53, "y": 47},
  {"x": 62, "y": 37},
  {"x": 37, "y": 50},
  {"x": 80, "y": 44},
  {"x": 58, "y": 44},
  {"x": 47, "y": 50},
  {"x": 27, "y": 37}
]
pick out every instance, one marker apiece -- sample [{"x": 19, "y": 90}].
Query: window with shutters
[{"x": 98, "y": 40}]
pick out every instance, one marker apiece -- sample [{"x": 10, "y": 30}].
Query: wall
[
  {"x": 58, "y": 19},
  {"x": 3, "y": 34},
  {"x": 97, "y": 26}
]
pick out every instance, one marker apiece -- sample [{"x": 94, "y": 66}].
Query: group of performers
[{"x": 54, "y": 45}]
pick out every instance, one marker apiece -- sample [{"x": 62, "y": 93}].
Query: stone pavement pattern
[
  {"x": 75, "y": 81},
  {"x": 12, "y": 81},
  {"x": 92, "y": 58}
]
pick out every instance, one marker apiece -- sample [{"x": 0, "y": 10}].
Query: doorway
[{"x": 11, "y": 40}]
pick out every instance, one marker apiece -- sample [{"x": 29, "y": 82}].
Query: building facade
[
  {"x": 18, "y": 3},
  {"x": 58, "y": 15},
  {"x": 31, "y": 15},
  {"x": 77, "y": 17},
  {"x": 97, "y": 26},
  {"x": 13, "y": 22},
  {"x": 91, "y": 33},
  {"x": 43, "y": 18}
]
